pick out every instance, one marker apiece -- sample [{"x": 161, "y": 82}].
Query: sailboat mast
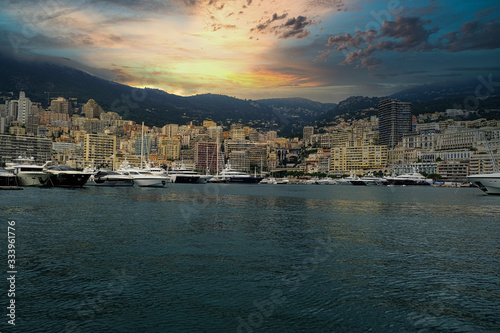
[{"x": 142, "y": 143}]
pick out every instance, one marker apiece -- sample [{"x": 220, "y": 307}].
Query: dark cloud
[
  {"x": 265, "y": 25},
  {"x": 408, "y": 35},
  {"x": 473, "y": 35},
  {"x": 293, "y": 27}
]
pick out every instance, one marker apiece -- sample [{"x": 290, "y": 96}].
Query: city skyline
[{"x": 321, "y": 50}]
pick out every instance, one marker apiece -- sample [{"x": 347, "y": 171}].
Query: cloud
[
  {"x": 410, "y": 35},
  {"x": 293, "y": 27},
  {"x": 473, "y": 35}
]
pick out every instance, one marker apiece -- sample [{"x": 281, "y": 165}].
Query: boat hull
[
  {"x": 111, "y": 182},
  {"x": 68, "y": 179},
  {"x": 180, "y": 179},
  {"x": 489, "y": 183},
  {"x": 37, "y": 179},
  {"x": 150, "y": 182}
]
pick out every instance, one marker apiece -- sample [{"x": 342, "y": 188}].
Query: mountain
[
  {"x": 472, "y": 94},
  {"x": 42, "y": 78}
]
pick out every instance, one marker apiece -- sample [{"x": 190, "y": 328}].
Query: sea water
[{"x": 253, "y": 258}]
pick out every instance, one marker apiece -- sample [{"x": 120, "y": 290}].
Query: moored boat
[
  {"x": 8, "y": 181},
  {"x": 28, "y": 173},
  {"x": 110, "y": 178},
  {"x": 66, "y": 176},
  {"x": 488, "y": 183},
  {"x": 229, "y": 175}
]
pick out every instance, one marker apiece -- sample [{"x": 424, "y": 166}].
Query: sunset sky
[{"x": 324, "y": 50}]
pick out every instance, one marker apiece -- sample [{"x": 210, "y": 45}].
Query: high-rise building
[
  {"x": 91, "y": 109},
  {"x": 239, "y": 160},
  {"x": 395, "y": 119},
  {"x": 170, "y": 147},
  {"x": 205, "y": 157},
  {"x": 100, "y": 149},
  {"x": 170, "y": 130},
  {"x": 23, "y": 107},
  {"x": 307, "y": 132},
  {"x": 61, "y": 105}
]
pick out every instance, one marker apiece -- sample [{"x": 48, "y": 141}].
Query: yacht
[
  {"x": 229, "y": 175},
  {"x": 143, "y": 177},
  {"x": 110, "y": 178},
  {"x": 326, "y": 181},
  {"x": 370, "y": 180},
  {"x": 351, "y": 180},
  {"x": 8, "y": 181},
  {"x": 28, "y": 173},
  {"x": 66, "y": 176},
  {"x": 413, "y": 178},
  {"x": 268, "y": 180},
  {"x": 187, "y": 176},
  {"x": 489, "y": 183}
]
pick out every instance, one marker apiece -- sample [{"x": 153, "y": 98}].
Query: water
[{"x": 254, "y": 258}]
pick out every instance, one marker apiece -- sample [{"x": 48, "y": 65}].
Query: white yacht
[
  {"x": 489, "y": 183},
  {"x": 351, "y": 180},
  {"x": 110, "y": 178},
  {"x": 370, "y": 180},
  {"x": 269, "y": 180},
  {"x": 229, "y": 175},
  {"x": 413, "y": 178},
  {"x": 184, "y": 175},
  {"x": 8, "y": 181},
  {"x": 143, "y": 177},
  {"x": 28, "y": 173}
]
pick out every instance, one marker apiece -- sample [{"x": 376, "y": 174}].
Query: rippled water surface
[{"x": 255, "y": 258}]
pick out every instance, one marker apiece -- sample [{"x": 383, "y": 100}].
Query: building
[
  {"x": 395, "y": 120},
  {"x": 344, "y": 159},
  {"x": 100, "y": 149},
  {"x": 91, "y": 109},
  {"x": 205, "y": 156},
  {"x": 170, "y": 130},
  {"x": 61, "y": 105},
  {"x": 170, "y": 147},
  {"x": 12, "y": 147},
  {"x": 239, "y": 160},
  {"x": 453, "y": 170},
  {"x": 307, "y": 132},
  {"x": 23, "y": 107}
]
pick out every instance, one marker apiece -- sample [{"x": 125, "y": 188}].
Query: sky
[{"x": 324, "y": 50}]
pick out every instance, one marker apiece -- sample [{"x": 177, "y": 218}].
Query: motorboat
[
  {"x": 8, "y": 180},
  {"x": 229, "y": 175},
  {"x": 184, "y": 175},
  {"x": 110, "y": 178},
  {"x": 326, "y": 181},
  {"x": 352, "y": 179},
  {"x": 66, "y": 176},
  {"x": 370, "y": 180},
  {"x": 28, "y": 173},
  {"x": 413, "y": 178},
  {"x": 142, "y": 177},
  {"x": 489, "y": 183},
  {"x": 268, "y": 180}
]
